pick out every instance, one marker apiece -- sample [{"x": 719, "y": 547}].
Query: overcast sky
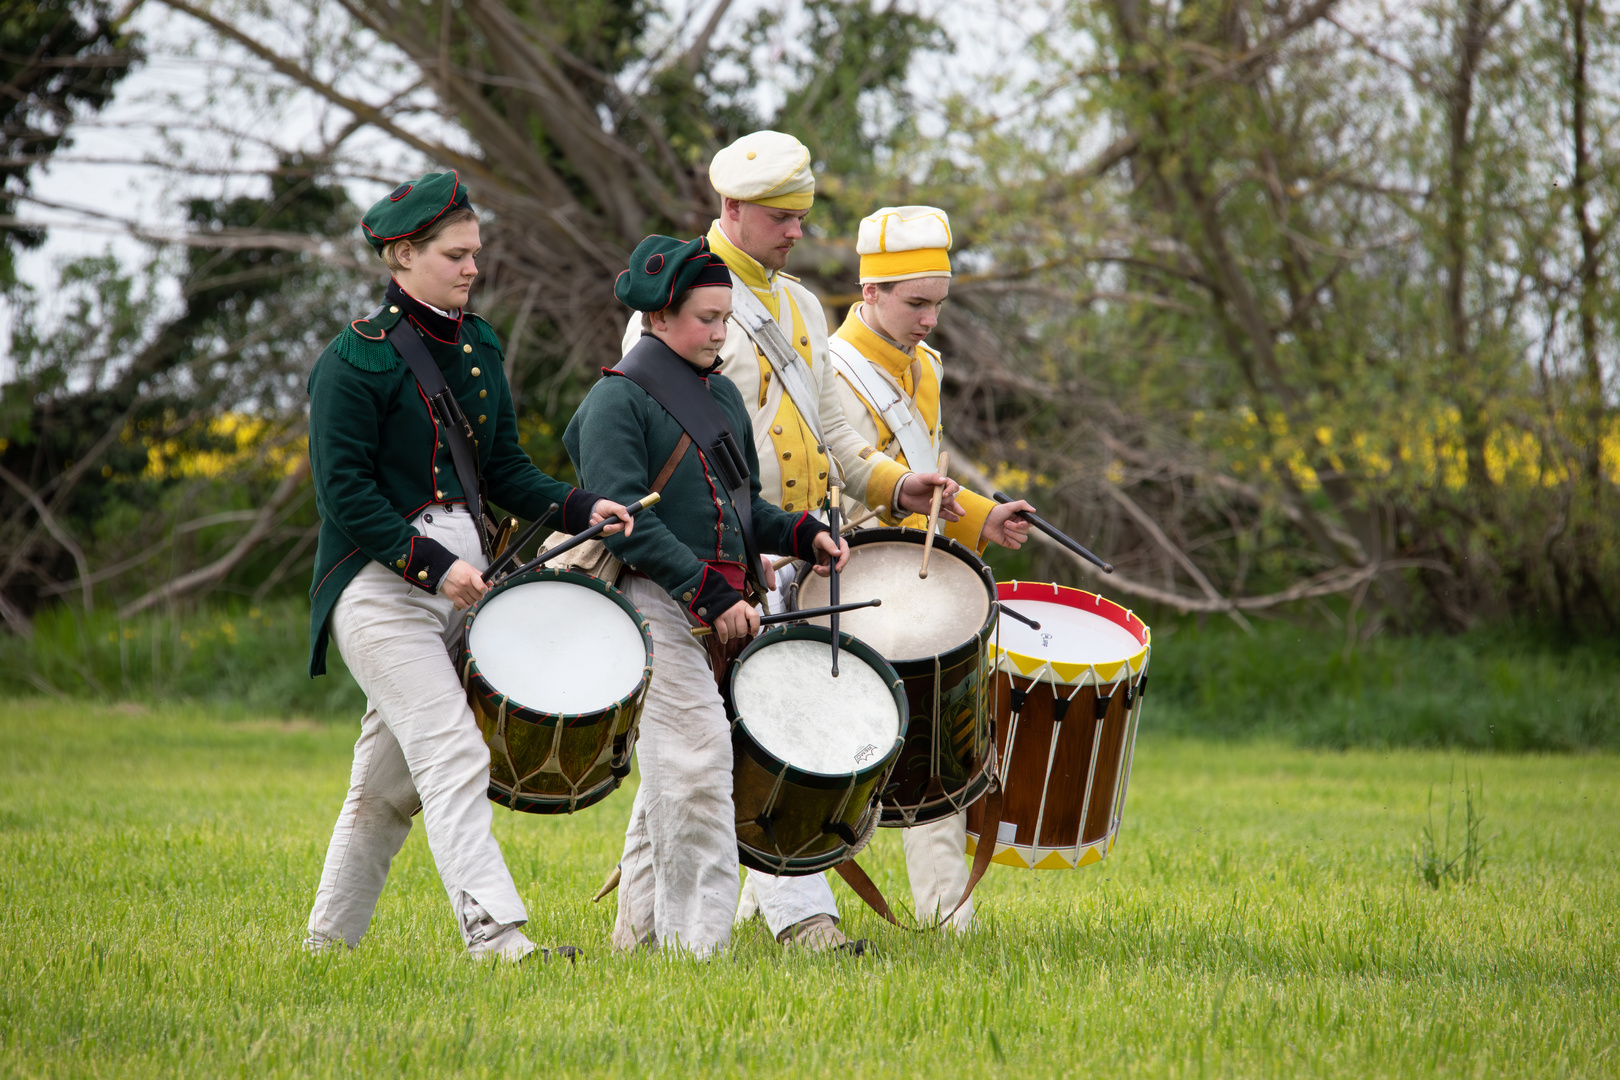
[{"x": 160, "y": 108}]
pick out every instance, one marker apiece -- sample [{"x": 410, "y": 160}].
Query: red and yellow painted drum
[{"x": 1067, "y": 701}]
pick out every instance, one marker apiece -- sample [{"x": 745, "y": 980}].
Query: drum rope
[{"x": 1100, "y": 715}]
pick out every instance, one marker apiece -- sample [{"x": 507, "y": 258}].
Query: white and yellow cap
[
  {"x": 768, "y": 168},
  {"x": 898, "y": 243}
]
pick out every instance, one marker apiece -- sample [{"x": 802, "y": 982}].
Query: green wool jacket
[
  {"x": 619, "y": 440},
  {"x": 379, "y": 458}
]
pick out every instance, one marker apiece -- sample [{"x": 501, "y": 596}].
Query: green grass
[
  {"x": 1495, "y": 689},
  {"x": 1261, "y": 915}
]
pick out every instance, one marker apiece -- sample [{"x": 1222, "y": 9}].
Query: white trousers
[
  {"x": 419, "y": 748},
  {"x": 934, "y": 863},
  {"x": 678, "y": 874}
]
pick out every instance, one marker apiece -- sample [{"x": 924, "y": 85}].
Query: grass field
[{"x": 1260, "y": 916}]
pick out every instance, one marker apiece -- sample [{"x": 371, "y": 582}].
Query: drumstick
[
  {"x": 796, "y": 616},
  {"x": 509, "y": 556},
  {"x": 589, "y": 534},
  {"x": 832, "y": 574},
  {"x": 611, "y": 883},
  {"x": 1055, "y": 533},
  {"x": 847, "y": 528},
  {"x": 1020, "y": 616},
  {"x": 933, "y": 515}
]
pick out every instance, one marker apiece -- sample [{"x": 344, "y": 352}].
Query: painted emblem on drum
[
  {"x": 865, "y": 752},
  {"x": 1046, "y": 640}
]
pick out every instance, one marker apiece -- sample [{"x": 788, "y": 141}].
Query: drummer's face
[
  {"x": 698, "y": 329},
  {"x": 909, "y": 311}
]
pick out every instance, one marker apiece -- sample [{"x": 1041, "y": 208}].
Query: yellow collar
[
  {"x": 739, "y": 262},
  {"x": 873, "y": 345}
]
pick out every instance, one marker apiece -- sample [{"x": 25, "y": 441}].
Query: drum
[
  {"x": 936, "y": 632},
  {"x": 556, "y": 666},
  {"x": 810, "y": 753},
  {"x": 1067, "y": 702}
]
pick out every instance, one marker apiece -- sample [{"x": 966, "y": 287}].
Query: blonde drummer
[{"x": 889, "y": 381}]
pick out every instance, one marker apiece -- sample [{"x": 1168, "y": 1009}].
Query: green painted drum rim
[
  {"x": 775, "y": 765},
  {"x": 468, "y": 666}
]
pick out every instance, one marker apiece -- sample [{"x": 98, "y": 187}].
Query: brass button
[
  {"x": 466, "y": 348},
  {"x": 482, "y": 418},
  {"x": 421, "y": 575},
  {"x": 687, "y": 595},
  {"x": 821, "y": 476},
  {"x": 400, "y": 563},
  {"x": 777, "y": 430},
  {"x": 767, "y": 376},
  {"x": 786, "y": 454},
  {"x": 437, "y": 494},
  {"x": 393, "y": 309},
  {"x": 790, "y": 483},
  {"x": 787, "y": 506},
  {"x": 476, "y": 373},
  {"x": 483, "y": 393},
  {"x": 804, "y": 339},
  {"x": 703, "y": 611},
  {"x": 435, "y": 470}
]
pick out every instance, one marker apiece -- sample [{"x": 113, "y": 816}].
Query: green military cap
[
  {"x": 662, "y": 268},
  {"x": 413, "y": 206}
]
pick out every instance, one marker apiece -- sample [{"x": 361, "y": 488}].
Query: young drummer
[
  {"x": 766, "y": 189},
  {"x": 889, "y": 381},
  {"x": 400, "y": 552},
  {"x": 688, "y": 562}
]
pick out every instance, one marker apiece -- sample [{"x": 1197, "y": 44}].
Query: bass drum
[
  {"x": 936, "y": 632},
  {"x": 556, "y": 666},
  {"x": 810, "y": 752}
]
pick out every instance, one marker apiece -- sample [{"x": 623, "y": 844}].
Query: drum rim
[
  {"x": 774, "y": 765},
  {"x": 515, "y": 709},
  {"x": 907, "y": 535},
  {"x": 1133, "y": 665}
]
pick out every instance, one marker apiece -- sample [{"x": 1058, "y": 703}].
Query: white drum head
[
  {"x": 794, "y": 708},
  {"x": 557, "y": 647},
  {"x": 920, "y": 617},
  {"x": 1067, "y": 635}
]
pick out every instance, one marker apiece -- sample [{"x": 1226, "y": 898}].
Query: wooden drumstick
[
  {"x": 843, "y": 530},
  {"x": 933, "y": 515},
  {"x": 802, "y": 615}
]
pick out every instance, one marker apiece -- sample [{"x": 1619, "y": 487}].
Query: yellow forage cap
[
  {"x": 898, "y": 243},
  {"x": 768, "y": 168}
]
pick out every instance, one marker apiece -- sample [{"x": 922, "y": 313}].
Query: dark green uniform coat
[
  {"x": 379, "y": 459},
  {"x": 619, "y": 440}
]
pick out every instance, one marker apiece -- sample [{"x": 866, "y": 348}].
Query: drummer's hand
[
  {"x": 767, "y": 572},
  {"x": 1001, "y": 527},
  {"x": 915, "y": 494},
  {"x": 827, "y": 550},
  {"x": 741, "y": 620},
  {"x": 463, "y": 584},
  {"x": 607, "y": 509}
]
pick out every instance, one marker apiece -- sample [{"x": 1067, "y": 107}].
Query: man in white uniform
[
  {"x": 889, "y": 381},
  {"x": 776, "y": 354}
]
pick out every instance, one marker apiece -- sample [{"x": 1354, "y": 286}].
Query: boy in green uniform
[
  {"x": 690, "y": 560},
  {"x": 401, "y": 550}
]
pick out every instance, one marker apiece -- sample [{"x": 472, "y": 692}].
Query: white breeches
[
  {"x": 934, "y": 862},
  {"x": 678, "y": 875},
  {"x": 419, "y": 748}
]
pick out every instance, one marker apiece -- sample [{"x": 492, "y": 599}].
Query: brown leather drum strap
[
  {"x": 867, "y": 890},
  {"x": 669, "y": 466},
  {"x": 986, "y": 848}
]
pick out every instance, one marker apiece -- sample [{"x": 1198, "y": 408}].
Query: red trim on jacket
[{"x": 335, "y": 565}]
